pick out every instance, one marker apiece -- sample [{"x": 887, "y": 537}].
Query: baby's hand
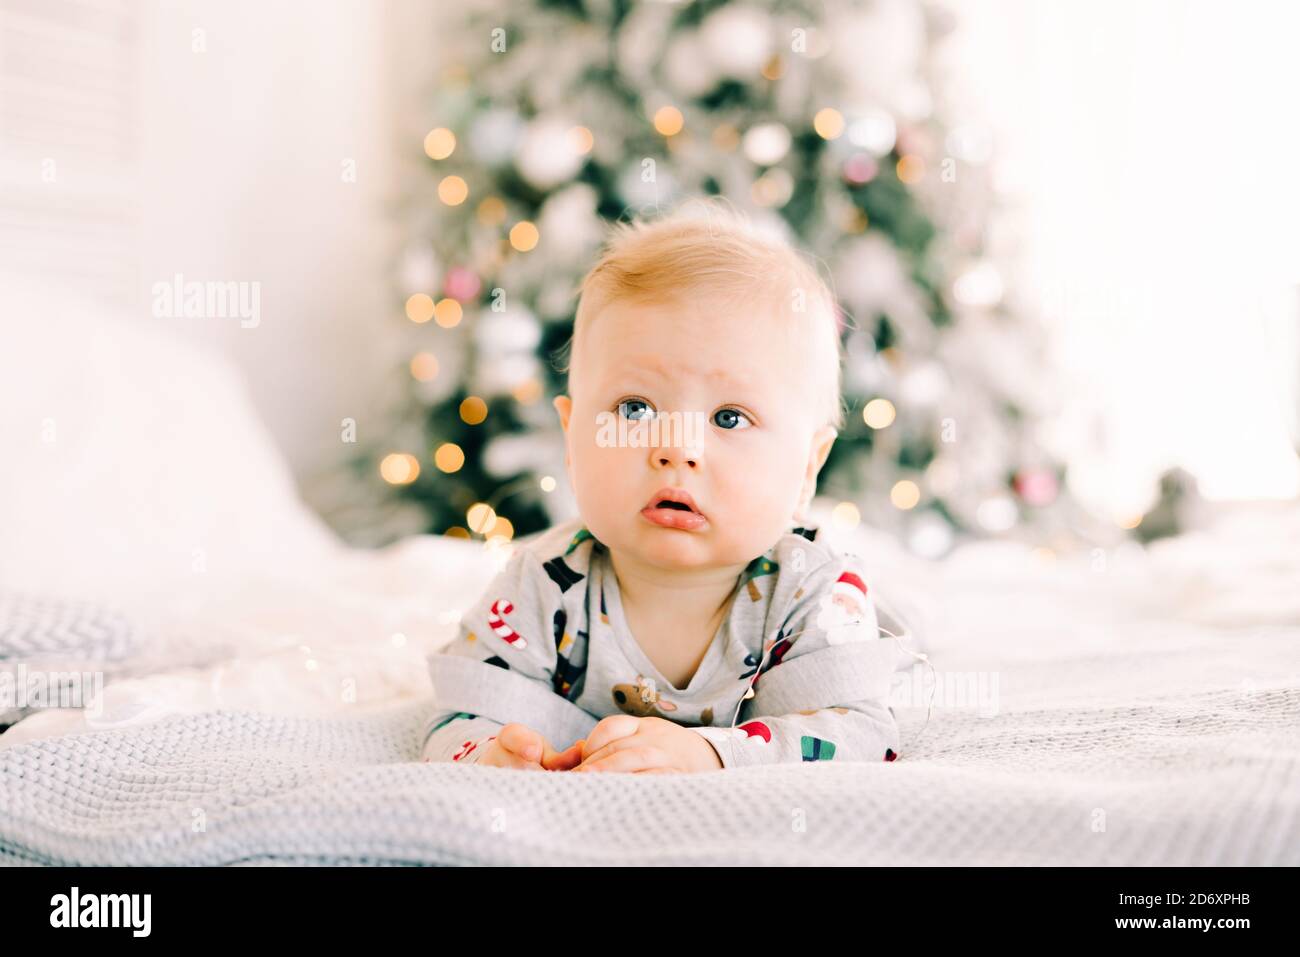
[
  {"x": 564, "y": 760},
  {"x": 607, "y": 731},
  {"x": 519, "y": 746},
  {"x": 646, "y": 746}
]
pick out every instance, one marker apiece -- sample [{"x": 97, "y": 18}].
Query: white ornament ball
[
  {"x": 494, "y": 135},
  {"x": 505, "y": 373},
  {"x": 930, "y": 536},
  {"x": 569, "y": 221},
  {"x": 508, "y": 455},
  {"x": 875, "y": 131},
  {"x": 997, "y": 514},
  {"x": 549, "y": 153},
  {"x": 514, "y": 330},
  {"x": 767, "y": 143},
  {"x": 687, "y": 68},
  {"x": 737, "y": 40},
  {"x": 647, "y": 188}
]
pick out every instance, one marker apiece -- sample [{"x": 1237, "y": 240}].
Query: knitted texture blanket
[{"x": 1192, "y": 779}]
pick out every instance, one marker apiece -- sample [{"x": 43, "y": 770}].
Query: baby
[{"x": 691, "y": 618}]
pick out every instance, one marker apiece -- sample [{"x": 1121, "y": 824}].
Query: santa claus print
[{"x": 844, "y": 613}]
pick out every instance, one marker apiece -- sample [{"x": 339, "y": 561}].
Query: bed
[{"x": 264, "y": 685}]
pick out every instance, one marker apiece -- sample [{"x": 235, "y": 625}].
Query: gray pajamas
[{"x": 798, "y": 671}]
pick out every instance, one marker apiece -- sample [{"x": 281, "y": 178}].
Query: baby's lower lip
[{"x": 674, "y": 518}]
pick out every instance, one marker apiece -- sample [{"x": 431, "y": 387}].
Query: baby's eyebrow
[{"x": 639, "y": 366}]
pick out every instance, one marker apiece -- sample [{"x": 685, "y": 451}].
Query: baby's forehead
[
  {"x": 747, "y": 343},
  {"x": 733, "y": 322}
]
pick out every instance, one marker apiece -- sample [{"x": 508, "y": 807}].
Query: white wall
[
  {"x": 242, "y": 158},
  {"x": 141, "y": 140},
  {"x": 1148, "y": 150}
]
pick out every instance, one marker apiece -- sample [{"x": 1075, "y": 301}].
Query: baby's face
[{"x": 745, "y": 377}]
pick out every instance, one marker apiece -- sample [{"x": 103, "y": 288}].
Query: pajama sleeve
[
  {"x": 823, "y": 694},
  {"x": 501, "y": 667}
]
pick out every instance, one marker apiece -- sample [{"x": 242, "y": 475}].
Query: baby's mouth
[
  {"x": 675, "y": 508},
  {"x": 681, "y": 506}
]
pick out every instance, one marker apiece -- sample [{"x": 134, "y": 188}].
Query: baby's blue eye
[
  {"x": 644, "y": 409},
  {"x": 731, "y": 419}
]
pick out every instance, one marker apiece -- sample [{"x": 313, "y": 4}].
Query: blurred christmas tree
[{"x": 819, "y": 120}]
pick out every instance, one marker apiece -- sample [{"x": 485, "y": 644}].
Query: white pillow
[{"x": 129, "y": 459}]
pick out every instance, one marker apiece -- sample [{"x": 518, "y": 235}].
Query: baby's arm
[
  {"x": 459, "y": 736},
  {"x": 500, "y": 671},
  {"x": 469, "y": 739},
  {"x": 826, "y": 697},
  {"x": 860, "y": 731}
]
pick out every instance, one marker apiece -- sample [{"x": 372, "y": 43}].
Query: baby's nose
[{"x": 689, "y": 458}]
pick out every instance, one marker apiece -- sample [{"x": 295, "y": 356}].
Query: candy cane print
[{"x": 500, "y": 608}]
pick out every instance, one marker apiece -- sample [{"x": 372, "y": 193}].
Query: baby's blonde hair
[{"x": 706, "y": 247}]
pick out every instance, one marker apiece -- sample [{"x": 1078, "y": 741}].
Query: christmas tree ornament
[
  {"x": 548, "y": 153},
  {"x": 737, "y": 39}
]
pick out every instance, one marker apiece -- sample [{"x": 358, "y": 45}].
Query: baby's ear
[
  {"x": 819, "y": 449},
  {"x": 823, "y": 439},
  {"x": 563, "y": 405}
]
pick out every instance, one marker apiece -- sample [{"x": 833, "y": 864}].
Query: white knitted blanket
[
  {"x": 1127, "y": 714},
  {"x": 1198, "y": 780}
]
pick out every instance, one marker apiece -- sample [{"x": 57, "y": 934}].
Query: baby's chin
[{"x": 677, "y": 549}]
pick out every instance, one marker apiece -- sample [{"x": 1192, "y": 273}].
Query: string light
[
  {"x": 473, "y": 410},
  {"x": 774, "y": 68},
  {"x": 829, "y": 123},
  {"x": 481, "y": 517},
  {"x": 448, "y": 313},
  {"x": 905, "y": 494},
  {"x": 547, "y": 483},
  {"x": 879, "y": 413},
  {"x": 846, "y": 515},
  {"x": 910, "y": 168},
  {"x": 439, "y": 143},
  {"x": 419, "y": 308},
  {"x": 668, "y": 120},
  {"x": 399, "y": 468},
  {"x": 492, "y": 211},
  {"x": 424, "y": 366},
  {"x": 449, "y": 457},
  {"x": 453, "y": 190},
  {"x": 457, "y": 532},
  {"x": 523, "y": 236}
]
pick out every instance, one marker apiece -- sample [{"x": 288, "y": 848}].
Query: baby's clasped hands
[
  {"x": 622, "y": 742},
  {"x": 519, "y": 746},
  {"x": 619, "y": 742}
]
